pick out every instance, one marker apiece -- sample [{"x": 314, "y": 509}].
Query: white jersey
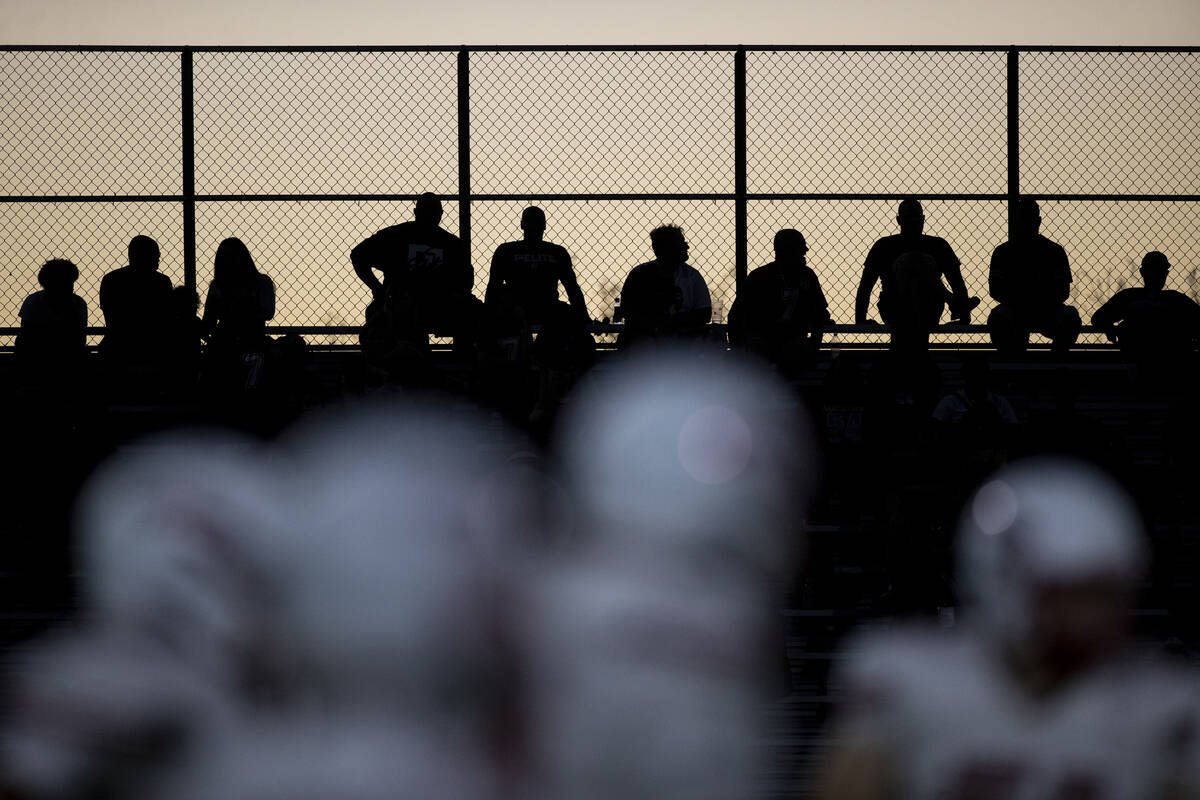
[{"x": 952, "y": 724}]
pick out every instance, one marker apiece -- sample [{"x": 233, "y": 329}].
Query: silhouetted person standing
[
  {"x": 526, "y": 274},
  {"x": 427, "y": 277},
  {"x": 52, "y": 342},
  {"x": 780, "y": 312},
  {"x": 240, "y": 301},
  {"x": 1151, "y": 321},
  {"x": 136, "y": 302},
  {"x": 1030, "y": 278},
  {"x": 666, "y": 297},
  {"x": 910, "y": 267}
]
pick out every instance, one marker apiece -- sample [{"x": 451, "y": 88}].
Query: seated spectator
[
  {"x": 1030, "y": 278},
  {"x": 1151, "y": 321},
  {"x": 780, "y": 312},
  {"x": 666, "y": 297},
  {"x": 427, "y": 278},
  {"x": 136, "y": 303},
  {"x": 52, "y": 342},
  {"x": 910, "y": 267},
  {"x": 240, "y": 301},
  {"x": 526, "y": 274}
]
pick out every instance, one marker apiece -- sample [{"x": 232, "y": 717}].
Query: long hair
[{"x": 233, "y": 265}]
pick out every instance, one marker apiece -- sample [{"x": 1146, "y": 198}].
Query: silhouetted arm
[
  {"x": 571, "y": 286},
  {"x": 952, "y": 269},
  {"x": 105, "y": 298},
  {"x": 364, "y": 257},
  {"x": 862, "y": 298},
  {"x": 1108, "y": 315},
  {"x": 208, "y": 322},
  {"x": 1062, "y": 275},
  {"x": 998, "y": 279},
  {"x": 495, "y": 277},
  {"x": 266, "y": 297},
  {"x": 821, "y": 316}
]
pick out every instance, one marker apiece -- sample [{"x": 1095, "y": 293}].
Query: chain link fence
[{"x": 304, "y": 152}]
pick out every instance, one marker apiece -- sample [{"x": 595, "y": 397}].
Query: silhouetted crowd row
[{"x": 780, "y": 312}]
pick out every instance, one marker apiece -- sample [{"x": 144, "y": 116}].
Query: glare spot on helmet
[
  {"x": 715, "y": 444},
  {"x": 994, "y": 507}
]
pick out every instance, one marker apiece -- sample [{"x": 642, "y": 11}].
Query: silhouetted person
[
  {"x": 1030, "y": 278},
  {"x": 184, "y": 330},
  {"x": 526, "y": 274},
  {"x": 136, "y": 303},
  {"x": 780, "y": 312},
  {"x": 240, "y": 301},
  {"x": 910, "y": 267},
  {"x": 427, "y": 278},
  {"x": 1151, "y": 321},
  {"x": 52, "y": 342},
  {"x": 666, "y": 297}
]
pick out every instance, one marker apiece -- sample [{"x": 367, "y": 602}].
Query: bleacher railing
[{"x": 304, "y": 151}]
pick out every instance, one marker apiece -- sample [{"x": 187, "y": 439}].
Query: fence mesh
[
  {"x": 876, "y": 122},
  {"x": 578, "y": 132},
  {"x": 1110, "y": 123},
  {"x": 326, "y": 123},
  {"x": 602, "y": 122}
]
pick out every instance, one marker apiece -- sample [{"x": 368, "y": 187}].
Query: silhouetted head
[
  {"x": 669, "y": 245},
  {"x": 1154, "y": 270},
  {"x": 533, "y": 222},
  {"x": 1049, "y": 554},
  {"x": 790, "y": 247},
  {"x": 143, "y": 253},
  {"x": 911, "y": 216},
  {"x": 428, "y": 210},
  {"x": 58, "y": 276},
  {"x": 233, "y": 264},
  {"x": 1027, "y": 217}
]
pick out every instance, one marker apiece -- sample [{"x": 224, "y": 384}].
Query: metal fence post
[
  {"x": 189, "y": 170},
  {"x": 1014, "y": 134},
  {"x": 739, "y": 167},
  {"x": 464, "y": 149}
]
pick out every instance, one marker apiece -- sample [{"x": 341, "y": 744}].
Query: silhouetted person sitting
[
  {"x": 780, "y": 312},
  {"x": 427, "y": 278},
  {"x": 136, "y": 303},
  {"x": 1151, "y": 321},
  {"x": 910, "y": 267},
  {"x": 240, "y": 301},
  {"x": 665, "y": 297},
  {"x": 52, "y": 342},
  {"x": 1030, "y": 278},
  {"x": 526, "y": 274}
]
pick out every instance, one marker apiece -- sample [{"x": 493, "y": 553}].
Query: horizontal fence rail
[{"x": 304, "y": 151}]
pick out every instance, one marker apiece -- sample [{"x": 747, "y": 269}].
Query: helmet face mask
[{"x": 1049, "y": 552}]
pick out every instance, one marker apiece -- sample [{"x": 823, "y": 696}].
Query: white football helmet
[
  {"x": 396, "y": 586},
  {"x": 101, "y": 712},
  {"x": 675, "y": 450},
  {"x": 177, "y": 538},
  {"x": 1037, "y": 521}
]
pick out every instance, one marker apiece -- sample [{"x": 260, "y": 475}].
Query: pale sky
[{"x": 355, "y": 22}]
